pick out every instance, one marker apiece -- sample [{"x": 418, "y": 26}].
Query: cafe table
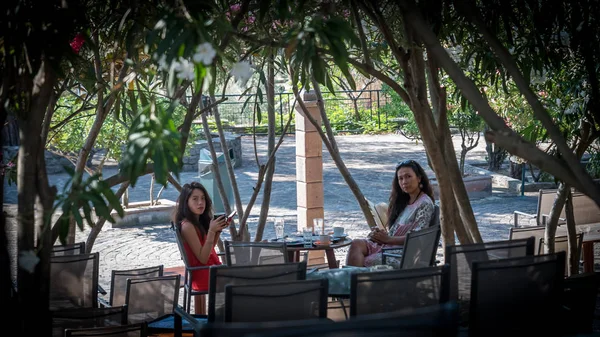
[{"x": 296, "y": 245}]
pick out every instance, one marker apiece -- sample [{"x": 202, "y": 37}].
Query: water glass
[
  {"x": 307, "y": 237},
  {"x": 319, "y": 225},
  {"x": 279, "y": 226}
]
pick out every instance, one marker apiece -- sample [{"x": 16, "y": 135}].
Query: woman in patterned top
[{"x": 410, "y": 208}]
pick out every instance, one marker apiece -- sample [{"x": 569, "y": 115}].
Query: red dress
[{"x": 200, "y": 277}]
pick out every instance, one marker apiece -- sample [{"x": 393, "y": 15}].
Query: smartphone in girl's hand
[
  {"x": 216, "y": 216},
  {"x": 231, "y": 215}
]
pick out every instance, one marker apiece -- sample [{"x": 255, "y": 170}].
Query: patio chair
[
  {"x": 188, "y": 291},
  {"x": 544, "y": 206},
  {"x": 580, "y": 293},
  {"x": 419, "y": 250},
  {"x": 517, "y": 296},
  {"x": 395, "y": 290},
  {"x": 438, "y": 320},
  {"x": 129, "y": 330},
  {"x": 76, "y": 318},
  {"x": 561, "y": 244},
  {"x": 461, "y": 258},
  {"x": 525, "y": 232},
  {"x": 74, "y": 281},
  {"x": 255, "y": 253},
  {"x": 68, "y": 249},
  {"x": 276, "y": 301},
  {"x": 221, "y": 276},
  {"x": 118, "y": 282}
]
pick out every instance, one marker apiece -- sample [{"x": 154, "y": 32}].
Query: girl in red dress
[{"x": 200, "y": 233}]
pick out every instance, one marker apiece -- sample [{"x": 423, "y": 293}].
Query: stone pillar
[{"x": 309, "y": 164}]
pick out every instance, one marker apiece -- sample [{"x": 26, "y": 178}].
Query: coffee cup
[
  {"x": 324, "y": 239},
  {"x": 338, "y": 231}
]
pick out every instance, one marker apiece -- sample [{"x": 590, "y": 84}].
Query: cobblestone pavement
[{"x": 371, "y": 161}]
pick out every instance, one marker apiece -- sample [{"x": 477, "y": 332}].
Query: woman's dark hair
[
  {"x": 398, "y": 198},
  {"x": 182, "y": 210}
]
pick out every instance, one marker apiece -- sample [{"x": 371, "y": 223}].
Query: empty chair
[
  {"x": 276, "y": 301},
  {"x": 129, "y": 330},
  {"x": 461, "y": 257},
  {"x": 377, "y": 292},
  {"x": 419, "y": 250},
  {"x": 525, "y": 232},
  {"x": 517, "y": 296},
  {"x": 188, "y": 291},
  {"x": 561, "y": 244},
  {"x": 220, "y": 276},
  {"x": 68, "y": 249},
  {"x": 74, "y": 281},
  {"x": 76, "y": 318},
  {"x": 255, "y": 253},
  {"x": 580, "y": 293},
  {"x": 438, "y": 320},
  {"x": 118, "y": 281},
  {"x": 151, "y": 298}
]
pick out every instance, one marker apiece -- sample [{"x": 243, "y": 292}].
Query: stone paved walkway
[{"x": 371, "y": 161}]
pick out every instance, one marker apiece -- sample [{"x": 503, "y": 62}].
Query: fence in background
[{"x": 238, "y": 110}]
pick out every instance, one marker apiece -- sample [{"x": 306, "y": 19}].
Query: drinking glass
[
  {"x": 318, "y": 225},
  {"x": 307, "y": 237},
  {"x": 279, "y": 227}
]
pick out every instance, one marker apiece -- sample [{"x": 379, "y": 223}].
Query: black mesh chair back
[
  {"x": 561, "y": 244},
  {"x": 188, "y": 292},
  {"x": 461, "y": 257},
  {"x": 76, "y": 318},
  {"x": 74, "y": 281},
  {"x": 220, "y": 276},
  {"x": 388, "y": 291},
  {"x": 150, "y": 298},
  {"x": 255, "y": 253},
  {"x": 420, "y": 248},
  {"x": 276, "y": 301},
  {"x": 118, "y": 281},
  {"x": 129, "y": 330},
  {"x": 68, "y": 249},
  {"x": 439, "y": 320},
  {"x": 580, "y": 293},
  {"x": 517, "y": 296}
]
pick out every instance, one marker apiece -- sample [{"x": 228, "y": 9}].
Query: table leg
[
  {"x": 292, "y": 256},
  {"x": 331, "y": 261},
  {"x": 588, "y": 257}
]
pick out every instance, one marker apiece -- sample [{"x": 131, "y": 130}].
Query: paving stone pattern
[{"x": 371, "y": 161}]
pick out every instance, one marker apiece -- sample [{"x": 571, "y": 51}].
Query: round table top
[{"x": 333, "y": 245}]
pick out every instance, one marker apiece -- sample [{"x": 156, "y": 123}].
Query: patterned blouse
[{"x": 414, "y": 217}]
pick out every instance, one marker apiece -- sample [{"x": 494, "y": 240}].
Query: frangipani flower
[
  {"x": 241, "y": 71},
  {"x": 205, "y": 53},
  {"x": 184, "y": 69}
]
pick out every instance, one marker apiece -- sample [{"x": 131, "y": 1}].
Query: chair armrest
[
  {"x": 546, "y": 216},
  {"x": 101, "y": 290},
  {"x": 102, "y": 303},
  {"x": 516, "y": 217},
  {"x": 385, "y": 255}
]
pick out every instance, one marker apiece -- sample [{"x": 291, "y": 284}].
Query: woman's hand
[
  {"x": 218, "y": 224},
  {"x": 379, "y": 236}
]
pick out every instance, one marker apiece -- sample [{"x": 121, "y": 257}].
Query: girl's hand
[{"x": 218, "y": 224}]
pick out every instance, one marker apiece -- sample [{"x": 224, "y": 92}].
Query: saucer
[{"x": 343, "y": 236}]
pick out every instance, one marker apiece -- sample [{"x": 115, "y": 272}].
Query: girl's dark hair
[
  {"x": 182, "y": 210},
  {"x": 398, "y": 198}
]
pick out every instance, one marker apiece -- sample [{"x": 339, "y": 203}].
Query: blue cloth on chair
[{"x": 167, "y": 323}]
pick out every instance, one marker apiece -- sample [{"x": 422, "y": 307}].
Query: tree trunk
[
  {"x": 572, "y": 256},
  {"x": 33, "y": 291},
  {"x": 264, "y": 210}
]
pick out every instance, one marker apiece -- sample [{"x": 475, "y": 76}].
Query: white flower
[
  {"x": 184, "y": 69},
  {"x": 558, "y": 101},
  {"x": 28, "y": 260},
  {"x": 205, "y": 53},
  {"x": 160, "y": 24},
  {"x": 162, "y": 63},
  {"x": 242, "y": 71}
]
